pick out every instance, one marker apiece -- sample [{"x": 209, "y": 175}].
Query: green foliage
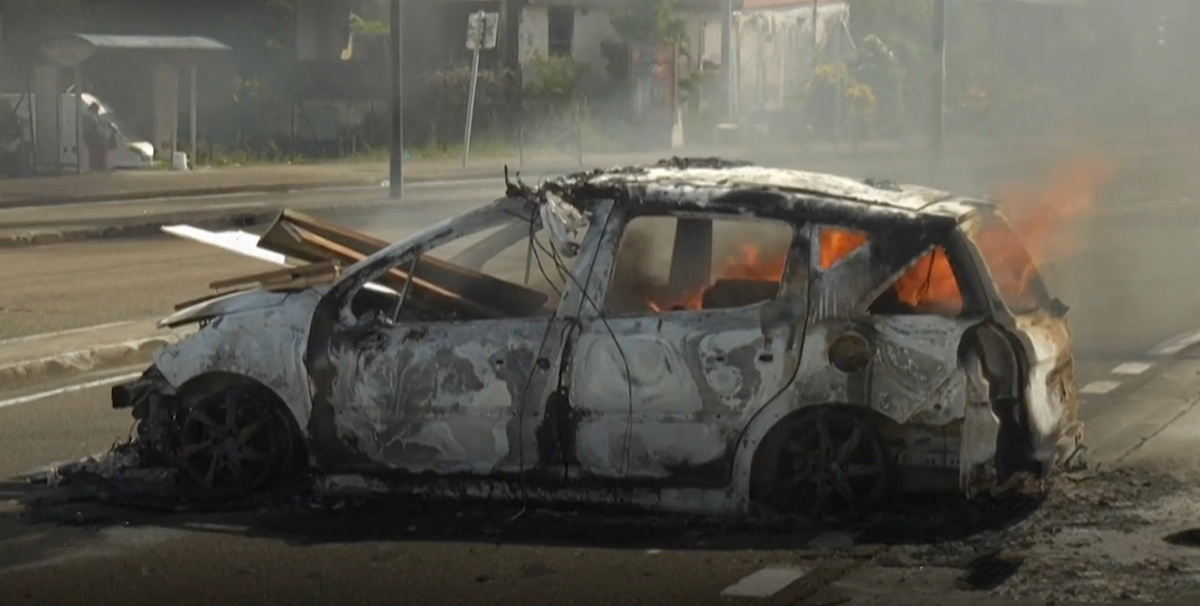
[
  {"x": 555, "y": 81},
  {"x": 649, "y": 21},
  {"x": 494, "y": 102}
]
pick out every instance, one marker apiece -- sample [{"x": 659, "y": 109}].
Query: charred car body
[{"x": 704, "y": 336}]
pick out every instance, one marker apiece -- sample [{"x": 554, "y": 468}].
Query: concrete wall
[
  {"x": 774, "y": 51},
  {"x": 593, "y": 28}
]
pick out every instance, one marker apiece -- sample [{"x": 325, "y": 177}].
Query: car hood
[{"x": 224, "y": 305}]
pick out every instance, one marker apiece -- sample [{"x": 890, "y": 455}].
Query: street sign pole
[
  {"x": 727, "y": 62},
  {"x": 482, "y": 32},
  {"x": 478, "y": 44},
  {"x": 938, "y": 113},
  {"x": 396, "y": 147}
]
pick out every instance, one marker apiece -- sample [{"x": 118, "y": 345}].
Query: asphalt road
[{"x": 1130, "y": 282}]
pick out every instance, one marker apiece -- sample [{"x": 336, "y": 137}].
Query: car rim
[
  {"x": 228, "y": 446},
  {"x": 835, "y": 462}
]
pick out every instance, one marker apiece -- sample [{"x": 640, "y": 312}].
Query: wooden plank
[
  {"x": 205, "y": 298},
  {"x": 468, "y": 284},
  {"x": 288, "y": 273},
  {"x": 397, "y": 274}
]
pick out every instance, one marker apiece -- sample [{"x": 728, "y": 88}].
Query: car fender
[{"x": 265, "y": 344}]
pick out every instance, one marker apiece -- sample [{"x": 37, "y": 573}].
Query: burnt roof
[{"x": 690, "y": 184}]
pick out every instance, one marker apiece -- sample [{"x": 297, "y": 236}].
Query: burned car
[{"x": 694, "y": 336}]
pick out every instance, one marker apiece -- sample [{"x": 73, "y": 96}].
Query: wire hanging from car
[{"x": 628, "y": 439}]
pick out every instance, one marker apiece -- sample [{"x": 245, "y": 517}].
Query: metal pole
[
  {"x": 841, "y": 92},
  {"x": 79, "y": 119},
  {"x": 727, "y": 61},
  {"x": 816, "y": 40},
  {"x": 174, "y": 113},
  {"x": 192, "y": 118},
  {"x": 396, "y": 147},
  {"x": 471, "y": 94},
  {"x": 938, "y": 121}
]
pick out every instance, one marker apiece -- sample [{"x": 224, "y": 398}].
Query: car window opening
[
  {"x": 928, "y": 287},
  {"x": 838, "y": 243},
  {"x": 669, "y": 264},
  {"x": 1017, "y": 279}
]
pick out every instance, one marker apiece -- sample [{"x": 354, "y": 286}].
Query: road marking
[
  {"x": 62, "y": 333},
  {"x": 1176, "y": 344},
  {"x": 68, "y": 389},
  {"x": 1132, "y": 368},
  {"x": 233, "y": 205},
  {"x": 1100, "y": 387},
  {"x": 764, "y": 583}
]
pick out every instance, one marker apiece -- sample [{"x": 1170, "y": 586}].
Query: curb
[
  {"x": 141, "y": 229},
  {"x": 196, "y": 192},
  {"x": 432, "y": 176},
  {"x": 152, "y": 228},
  {"x": 65, "y": 365}
]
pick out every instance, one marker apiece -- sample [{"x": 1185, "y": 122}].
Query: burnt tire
[
  {"x": 831, "y": 461},
  {"x": 234, "y": 443}
]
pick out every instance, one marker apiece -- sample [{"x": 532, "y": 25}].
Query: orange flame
[
  {"x": 1039, "y": 216},
  {"x": 746, "y": 264}
]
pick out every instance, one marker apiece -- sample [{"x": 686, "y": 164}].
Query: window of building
[{"x": 560, "y": 30}]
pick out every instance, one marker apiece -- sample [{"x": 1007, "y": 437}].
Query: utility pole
[
  {"x": 938, "y": 114},
  {"x": 816, "y": 61},
  {"x": 727, "y": 62},
  {"x": 396, "y": 147}
]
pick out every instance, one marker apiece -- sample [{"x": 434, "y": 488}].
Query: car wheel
[
  {"x": 232, "y": 444},
  {"x": 833, "y": 461}
]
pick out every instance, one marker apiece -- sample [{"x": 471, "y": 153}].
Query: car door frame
[
  {"x": 790, "y": 303},
  {"x": 843, "y": 294},
  {"x": 332, "y": 320}
]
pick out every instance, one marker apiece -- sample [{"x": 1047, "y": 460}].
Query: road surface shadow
[{"x": 295, "y": 518}]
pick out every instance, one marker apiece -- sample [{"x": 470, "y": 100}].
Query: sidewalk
[
  {"x": 268, "y": 178},
  {"x": 27, "y": 361},
  {"x": 265, "y": 178}
]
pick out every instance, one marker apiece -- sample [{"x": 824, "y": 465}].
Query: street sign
[{"x": 482, "y": 27}]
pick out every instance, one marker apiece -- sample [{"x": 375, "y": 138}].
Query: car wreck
[{"x": 695, "y": 336}]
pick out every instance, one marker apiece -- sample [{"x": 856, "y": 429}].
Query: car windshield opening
[{"x": 509, "y": 270}]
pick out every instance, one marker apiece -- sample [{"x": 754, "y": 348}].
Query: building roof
[{"x": 174, "y": 43}]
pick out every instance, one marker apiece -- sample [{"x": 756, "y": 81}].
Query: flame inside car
[
  {"x": 746, "y": 262},
  {"x": 1041, "y": 216}
]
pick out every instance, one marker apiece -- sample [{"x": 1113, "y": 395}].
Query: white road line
[
  {"x": 73, "y": 331},
  {"x": 1132, "y": 368},
  {"x": 68, "y": 389},
  {"x": 233, "y": 205},
  {"x": 1176, "y": 344},
  {"x": 1100, "y": 387},
  {"x": 764, "y": 583}
]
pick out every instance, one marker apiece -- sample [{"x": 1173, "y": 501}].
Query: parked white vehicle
[{"x": 124, "y": 148}]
